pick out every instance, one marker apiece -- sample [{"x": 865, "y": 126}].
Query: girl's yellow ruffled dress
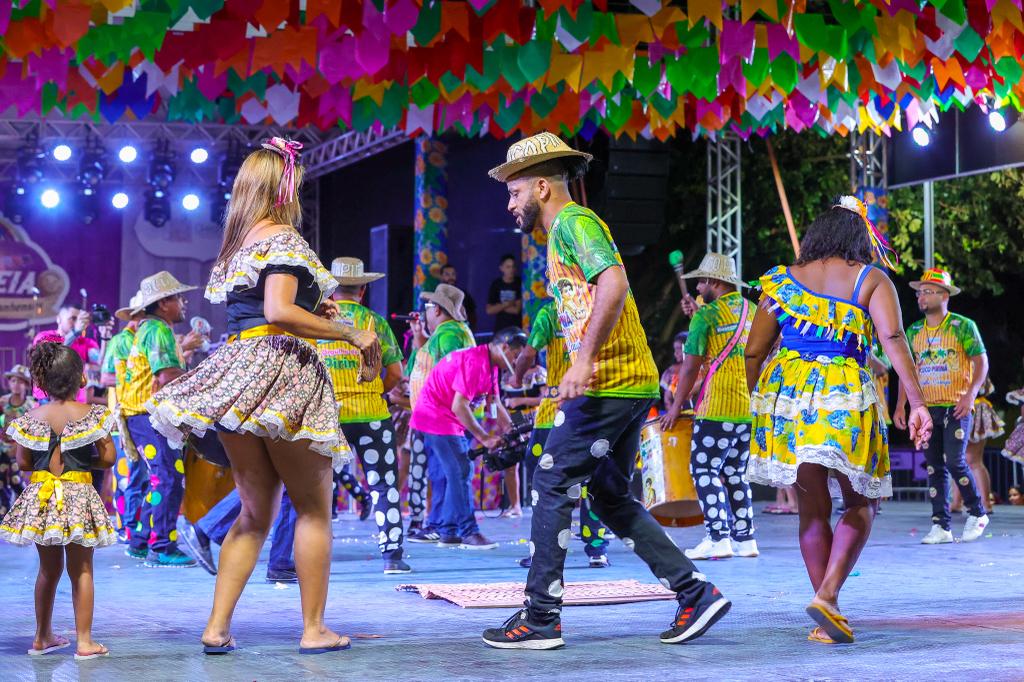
[{"x": 816, "y": 400}]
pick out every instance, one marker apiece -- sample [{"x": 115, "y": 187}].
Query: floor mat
[{"x": 504, "y": 595}]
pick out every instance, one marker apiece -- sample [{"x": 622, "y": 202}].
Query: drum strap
[{"x": 721, "y": 358}]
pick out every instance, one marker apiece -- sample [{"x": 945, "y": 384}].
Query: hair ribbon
[
  {"x": 879, "y": 244},
  {"x": 289, "y": 151}
]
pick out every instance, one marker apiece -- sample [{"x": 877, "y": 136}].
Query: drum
[
  {"x": 665, "y": 463},
  {"x": 206, "y": 484},
  {"x": 209, "y": 448}
]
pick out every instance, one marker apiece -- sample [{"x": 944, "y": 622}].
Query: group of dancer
[{"x": 787, "y": 399}]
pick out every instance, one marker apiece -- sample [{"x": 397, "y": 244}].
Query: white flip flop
[
  {"x": 49, "y": 649},
  {"x": 89, "y": 657}
]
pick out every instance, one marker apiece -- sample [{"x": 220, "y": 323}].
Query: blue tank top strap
[{"x": 865, "y": 270}]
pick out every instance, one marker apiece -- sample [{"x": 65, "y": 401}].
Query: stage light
[
  {"x": 87, "y": 191},
  {"x": 161, "y": 168},
  {"x": 922, "y": 137},
  {"x": 997, "y": 121},
  {"x": 88, "y": 208},
  {"x": 128, "y": 154},
  {"x": 230, "y": 164},
  {"x": 157, "y": 209},
  {"x": 30, "y": 161},
  {"x": 62, "y": 152},
  {"x": 93, "y": 167},
  {"x": 190, "y": 202},
  {"x": 50, "y": 198},
  {"x": 16, "y": 205},
  {"x": 158, "y": 193},
  {"x": 219, "y": 197},
  {"x": 119, "y": 200},
  {"x": 199, "y": 155}
]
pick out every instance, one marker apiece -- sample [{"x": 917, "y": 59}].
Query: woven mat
[{"x": 503, "y": 595}]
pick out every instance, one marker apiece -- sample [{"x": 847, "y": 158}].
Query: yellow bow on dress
[{"x": 53, "y": 486}]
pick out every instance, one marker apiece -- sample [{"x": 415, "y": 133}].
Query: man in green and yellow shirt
[
  {"x": 362, "y": 411},
  {"x": 447, "y": 332},
  {"x": 952, "y": 363},
  {"x": 720, "y": 445},
  {"x": 606, "y": 394},
  {"x": 546, "y": 335}
]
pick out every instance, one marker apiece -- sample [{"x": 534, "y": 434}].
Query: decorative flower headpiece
[
  {"x": 883, "y": 252},
  {"x": 289, "y": 151}
]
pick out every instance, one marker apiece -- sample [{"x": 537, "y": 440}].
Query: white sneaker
[
  {"x": 974, "y": 527},
  {"x": 937, "y": 536},
  {"x": 745, "y": 548},
  {"x": 710, "y": 549}
]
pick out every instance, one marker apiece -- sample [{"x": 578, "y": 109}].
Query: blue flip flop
[
  {"x": 225, "y": 648},
  {"x": 313, "y": 650}
]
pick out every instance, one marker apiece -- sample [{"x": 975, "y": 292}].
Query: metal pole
[{"x": 929, "y": 225}]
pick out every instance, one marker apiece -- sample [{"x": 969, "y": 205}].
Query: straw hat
[
  {"x": 449, "y": 298},
  {"x": 19, "y": 372},
  {"x": 158, "y": 287},
  {"x": 532, "y": 151},
  {"x": 717, "y": 266},
  {"x": 125, "y": 314},
  {"x": 349, "y": 272},
  {"x": 938, "y": 277}
]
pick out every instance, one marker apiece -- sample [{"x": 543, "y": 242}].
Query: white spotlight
[
  {"x": 128, "y": 154},
  {"x": 997, "y": 121},
  {"x": 190, "y": 202},
  {"x": 199, "y": 155},
  {"x": 119, "y": 200},
  {"x": 921, "y": 136},
  {"x": 50, "y": 198},
  {"x": 62, "y": 152}
]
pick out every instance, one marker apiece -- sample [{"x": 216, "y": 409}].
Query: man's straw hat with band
[
  {"x": 158, "y": 287},
  {"x": 350, "y": 272},
  {"x": 716, "y": 266},
  {"x": 449, "y": 298},
  {"x": 125, "y": 314},
  {"x": 534, "y": 150},
  {"x": 939, "y": 278},
  {"x": 19, "y": 372}
]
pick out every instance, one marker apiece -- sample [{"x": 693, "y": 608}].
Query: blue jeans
[
  {"x": 451, "y": 452},
  {"x": 218, "y": 521},
  {"x": 438, "y": 483}
]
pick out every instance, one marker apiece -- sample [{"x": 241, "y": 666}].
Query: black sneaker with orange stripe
[
  {"x": 694, "y": 619},
  {"x": 518, "y": 633}
]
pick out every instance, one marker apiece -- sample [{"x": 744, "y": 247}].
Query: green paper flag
[
  {"x": 508, "y": 115},
  {"x": 810, "y": 29},
  {"x": 756, "y": 70},
  {"x": 428, "y": 25},
  {"x": 664, "y": 106},
  {"x": 954, "y": 10},
  {"x": 581, "y": 26},
  {"x": 679, "y": 73},
  {"x": 968, "y": 43},
  {"x": 543, "y": 102},
  {"x": 1010, "y": 70},
  {"x": 424, "y": 92},
  {"x": 646, "y": 76},
  {"x": 450, "y": 82},
  {"x": 492, "y": 70},
  {"x": 618, "y": 115},
  {"x": 784, "y": 72},
  {"x": 534, "y": 59},
  {"x": 510, "y": 66}
]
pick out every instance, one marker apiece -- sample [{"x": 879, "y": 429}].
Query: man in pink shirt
[
  {"x": 444, "y": 413},
  {"x": 70, "y": 331}
]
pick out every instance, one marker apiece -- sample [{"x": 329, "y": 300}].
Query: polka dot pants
[
  {"x": 159, "y": 514},
  {"x": 596, "y": 439},
  {"x": 947, "y": 451},
  {"x": 417, "y": 477},
  {"x": 347, "y": 480},
  {"x": 719, "y": 452},
  {"x": 374, "y": 443}
]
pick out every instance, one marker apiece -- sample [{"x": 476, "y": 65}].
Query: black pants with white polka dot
[
  {"x": 417, "y": 478},
  {"x": 374, "y": 444},
  {"x": 947, "y": 451},
  {"x": 596, "y": 439},
  {"x": 718, "y": 463}
]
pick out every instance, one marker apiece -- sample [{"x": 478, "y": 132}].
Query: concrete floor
[{"x": 919, "y": 613}]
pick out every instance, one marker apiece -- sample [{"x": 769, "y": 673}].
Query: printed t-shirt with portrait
[
  {"x": 116, "y": 359},
  {"x": 154, "y": 350},
  {"x": 450, "y": 336},
  {"x": 467, "y": 372},
  {"x": 580, "y": 247},
  {"x": 546, "y": 335},
  {"x": 943, "y": 355},
  {"x": 358, "y": 402},
  {"x": 726, "y": 398}
]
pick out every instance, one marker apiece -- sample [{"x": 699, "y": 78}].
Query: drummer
[
  {"x": 721, "y": 432},
  {"x": 546, "y": 334}
]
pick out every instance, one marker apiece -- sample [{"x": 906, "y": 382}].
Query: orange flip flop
[{"x": 832, "y": 622}]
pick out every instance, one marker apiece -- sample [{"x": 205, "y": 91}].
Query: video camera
[
  {"x": 511, "y": 449},
  {"x": 100, "y": 314}
]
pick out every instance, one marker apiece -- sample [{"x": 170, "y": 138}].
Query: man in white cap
[
  {"x": 606, "y": 394},
  {"x": 154, "y": 361},
  {"x": 362, "y": 411},
  {"x": 129, "y": 473},
  {"x": 720, "y": 446},
  {"x": 952, "y": 363}
]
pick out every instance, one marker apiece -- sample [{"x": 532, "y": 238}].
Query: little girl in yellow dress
[{"x": 60, "y": 511}]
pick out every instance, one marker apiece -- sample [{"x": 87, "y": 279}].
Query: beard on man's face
[{"x": 529, "y": 215}]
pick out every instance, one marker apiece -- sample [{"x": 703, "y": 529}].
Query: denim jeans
[
  {"x": 218, "y": 521},
  {"x": 457, "y": 518}
]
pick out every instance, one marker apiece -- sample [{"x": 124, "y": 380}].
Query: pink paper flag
[
  {"x": 780, "y": 41},
  {"x": 737, "y": 40},
  {"x": 51, "y": 65},
  {"x": 401, "y": 16},
  {"x": 731, "y": 73},
  {"x": 210, "y": 85},
  {"x": 372, "y": 52}
]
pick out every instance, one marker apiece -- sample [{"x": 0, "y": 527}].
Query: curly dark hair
[
  {"x": 837, "y": 233},
  {"x": 57, "y": 370}
]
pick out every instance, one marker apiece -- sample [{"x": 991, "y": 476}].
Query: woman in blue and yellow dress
[{"x": 818, "y": 420}]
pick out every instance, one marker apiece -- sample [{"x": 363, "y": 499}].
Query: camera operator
[
  {"x": 72, "y": 324},
  {"x": 443, "y": 414}
]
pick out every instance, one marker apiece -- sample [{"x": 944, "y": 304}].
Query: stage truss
[
  {"x": 868, "y": 162},
  {"x": 725, "y": 210}
]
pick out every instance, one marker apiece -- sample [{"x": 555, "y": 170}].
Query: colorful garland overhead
[{"x": 501, "y": 66}]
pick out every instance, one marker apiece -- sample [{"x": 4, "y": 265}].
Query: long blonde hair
[{"x": 253, "y": 198}]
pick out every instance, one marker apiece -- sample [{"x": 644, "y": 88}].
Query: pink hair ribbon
[
  {"x": 879, "y": 244},
  {"x": 289, "y": 151}
]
